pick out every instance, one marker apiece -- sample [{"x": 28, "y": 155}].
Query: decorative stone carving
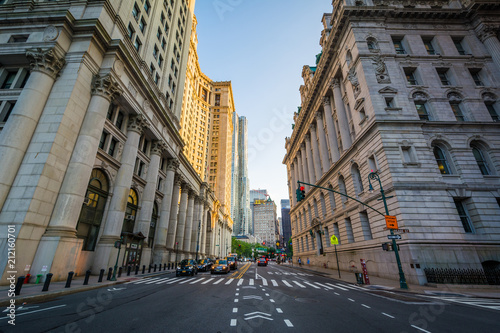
[
  {"x": 105, "y": 86},
  {"x": 50, "y": 33},
  {"x": 454, "y": 97},
  {"x": 137, "y": 124},
  {"x": 489, "y": 97},
  {"x": 45, "y": 61},
  {"x": 120, "y": 151},
  {"x": 381, "y": 69},
  {"x": 486, "y": 31},
  {"x": 335, "y": 83},
  {"x": 173, "y": 164},
  {"x": 146, "y": 105},
  {"x": 420, "y": 96},
  {"x": 178, "y": 180},
  {"x": 158, "y": 147},
  {"x": 132, "y": 89},
  {"x": 352, "y": 77},
  {"x": 319, "y": 115},
  {"x": 118, "y": 67},
  {"x": 326, "y": 100}
]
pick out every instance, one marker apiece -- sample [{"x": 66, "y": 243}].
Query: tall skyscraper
[
  {"x": 286, "y": 227},
  {"x": 256, "y": 195},
  {"x": 408, "y": 105}
]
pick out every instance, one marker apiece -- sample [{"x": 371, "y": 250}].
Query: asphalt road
[{"x": 252, "y": 299}]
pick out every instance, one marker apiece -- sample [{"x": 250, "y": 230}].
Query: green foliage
[{"x": 290, "y": 247}]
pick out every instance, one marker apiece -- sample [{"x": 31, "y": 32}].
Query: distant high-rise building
[
  {"x": 265, "y": 221},
  {"x": 286, "y": 227},
  {"x": 256, "y": 195}
]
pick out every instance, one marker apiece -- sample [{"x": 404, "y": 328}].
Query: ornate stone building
[
  {"x": 91, "y": 96},
  {"x": 408, "y": 89}
]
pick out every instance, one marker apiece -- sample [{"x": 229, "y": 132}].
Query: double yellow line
[{"x": 238, "y": 274}]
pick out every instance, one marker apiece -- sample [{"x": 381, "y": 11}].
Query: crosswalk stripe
[
  {"x": 219, "y": 281},
  {"x": 300, "y": 285},
  {"x": 251, "y": 282},
  {"x": 229, "y": 281},
  {"x": 270, "y": 273},
  {"x": 184, "y": 281},
  {"x": 274, "y": 283},
  {"x": 312, "y": 285},
  {"x": 161, "y": 281},
  {"x": 264, "y": 282},
  {"x": 323, "y": 285},
  {"x": 175, "y": 280},
  {"x": 207, "y": 281},
  {"x": 196, "y": 281},
  {"x": 338, "y": 286},
  {"x": 240, "y": 282},
  {"x": 287, "y": 284},
  {"x": 350, "y": 287},
  {"x": 146, "y": 280}
]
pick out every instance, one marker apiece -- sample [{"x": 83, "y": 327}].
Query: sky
[{"x": 261, "y": 47}]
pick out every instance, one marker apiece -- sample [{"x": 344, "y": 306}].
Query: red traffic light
[{"x": 302, "y": 188}]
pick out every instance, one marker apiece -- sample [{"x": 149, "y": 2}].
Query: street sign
[
  {"x": 334, "y": 240},
  {"x": 394, "y": 236},
  {"x": 391, "y": 222},
  {"x": 401, "y": 231}
]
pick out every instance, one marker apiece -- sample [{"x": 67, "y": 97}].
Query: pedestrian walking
[
  {"x": 300, "y": 262},
  {"x": 308, "y": 261}
]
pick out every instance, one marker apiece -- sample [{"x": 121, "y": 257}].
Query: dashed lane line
[
  {"x": 233, "y": 322},
  {"x": 288, "y": 323},
  {"x": 388, "y": 315},
  {"x": 351, "y": 300},
  {"x": 279, "y": 310},
  {"x": 240, "y": 282},
  {"x": 366, "y": 306},
  {"x": 421, "y": 329}
]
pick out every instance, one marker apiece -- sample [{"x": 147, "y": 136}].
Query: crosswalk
[
  {"x": 289, "y": 273},
  {"x": 488, "y": 303},
  {"x": 289, "y": 283}
]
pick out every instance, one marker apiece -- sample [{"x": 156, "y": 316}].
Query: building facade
[
  {"x": 409, "y": 90},
  {"x": 265, "y": 221},
  {"x": 256, "y": 195},
  {"x": 91, "y": 96},
  {"x": 286, "y": 227}
]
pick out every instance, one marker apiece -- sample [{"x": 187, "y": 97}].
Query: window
[
  {"x": 421, "y": 107},
  {"x": 323, "y": 204},
  {"x": 155, "y": 52},
  {"x": 158, "y": 34},
  {"x": 151, "y": 68},
  {"x": 147, "y": 6},
  {"x": 142, "y": 25},
  {"x": 131, "y": 31},
  {"x": 459, "y": 45},
  {"x": 163, "y": 44},
  {"x": 372, "y": 163},
  {"x": 348, "y": 229},
  {"x": 6, "y": 110},
  {"x": 365, "y": 225},
  {"x": 372, "y": 44},
  {"x": 102, "y": 141},
  {"x": 356, "y": 179},
  {"x": 493, "y": 112},
  {"x": 398, "y": 45},
  {"x": 18, "y": 38},
  {"x": 119, "y": 120},
  {"x": 111, "y": 111},
  {"x": 476, "y": 76},
  {"x": 327, "y": 237},
  {"x": 464, "y": 215},
  {"x": 162, "y": 18},
  {"x": 428, "y": 43},
  {"x": 457, "y": 110},
  {"x": 342, "y": 189},
  {"x": 411, "y": 78},
  {"x": 217, "y": 99},
  {"x": 160, "y": 61},
  {"x": 442, "y": 163},
  {"x": 112, "y": 147},
  {"x": 443, "y": 76},
  {"x": 135, "y": 12},
  {"x": 408, "y": 153},
  {"x": 480, "y": 160},
  {"x": 157, "y": 78},
  {"x": 389, "y": 102},
  {"x": 137, "y": 44},
  {"x": 9, "y": 80}
]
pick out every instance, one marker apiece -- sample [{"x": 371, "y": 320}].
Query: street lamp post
[
  {"x": 198, "y": 240},
  {"x": 118, "y": 244},
  {"x": 402, "y": 279}
]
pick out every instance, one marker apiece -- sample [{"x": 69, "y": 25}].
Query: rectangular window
[
  {"x": 147, "y": 6},
  {"x": 119, "y": 120},
  {"x": 160, "y": 61},
  {"x": 421, "y": 107},
  {"x": 111, "y": 111},
  {"x": 131, "y": 31},
  {"x": 410, "y": 76},
  {"x": 152, "y": 68},
  {"x": 459, "y": 45},
  {"x": 398, "y": 45},
  {"x": 457, "y": 110},
  {"x": 476, "y": 76},
  {"x": 493, "y": 113},
  {"x": 443, "y": 76},
  {"x": 336, "y": 231},
  {"x": 9, "y": 80},
  {"x": 7, "y": 110},
  {"x": 157, "y": 79},
  {"x": 389, "y": 102},
  {"x": 464, "y": 215},
  {"x": 102, "y": 141},
  {"x": 142, "y": 25},
  {"x": 327, "y": 237},
  {"x": 155, "y": 52},
  {"x": 135, "y": 12},
  {"x": 365, "y": 225},
  {"x": 112, "y": 147},
  {"x": 162, "y": 18},
  {"x": 348, "y": 229},
  {"x": 163, "y": 44},
  {"x": 428, "y": 43},
  {"x": 158, "y": 34},
  {"x": 137, "y": 44}
]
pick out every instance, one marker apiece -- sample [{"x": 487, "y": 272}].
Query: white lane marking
[
  {"x": 388, "y": 315},
  {"x": 279, "y": 310},
  {"x": 156, "y": 281},
  {"x": 240, "y": 282},
  {"x": 233, "y": 322},
  {"x": 237, "y": 294},
  {"x": 229, "y": 281},
  {"x": 219, "y": 281},
  {"x": 146, "y": 280},
  {"x": 267, "y": 294},
  {"x": 251, "y": 282},
  {"x": 366, "y": 306},
  {"x": 274, "y": 283},
  {"x": 164, "y": 281},
  {"x": 300, "y": 285},
  {"x": 197, "y": 280},
  {"x": 264, "y": 282},
  {"x": 175, "y": 280},
  {"x": 235, "y": 300},
  {"x": 338, "y": 286},
  {"x": 337, "y": 294},
  {"x": 235, "y": 310},
  {"x": 351, "y": 287},
  {"x": 351, "y": 299},
  {"x": 323, "y": 285},
  {"x": 288, "y": 323},
  {"x": 184, "y": 281},
  {"x": 287, "y": 284},
  {"x": 270, "y": 273},
  {"x": 207, "y": 281},
  {"x": 312, "y": 285},
  {"x": 271, "y": 300},
  {"x": 25, "y": 313},
  {"x": 418, "y": 328}
]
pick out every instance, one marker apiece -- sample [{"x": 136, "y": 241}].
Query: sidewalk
[
  {"x": 33, "y": 292},
  {"x": 393, "y": 285}
]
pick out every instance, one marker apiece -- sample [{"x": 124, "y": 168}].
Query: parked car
[
  {"x": 233, "y": 264},
  {"x": 204, "y": 265},
  {"x": 220, "y": 266},
  {"x": 262, "y": 262},
  {"x": 187, "y": 267}
]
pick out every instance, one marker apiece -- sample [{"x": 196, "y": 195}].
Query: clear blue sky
[{"x": 261, "y": 46}]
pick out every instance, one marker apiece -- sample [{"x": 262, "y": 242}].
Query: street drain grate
[{"x": 399, "y": 297}]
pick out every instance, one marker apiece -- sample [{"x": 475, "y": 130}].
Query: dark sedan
[
  {"x": 220, "y": 266},
  {"x": 187, "y": 267},
  {"x": 262, "y": 262},
  {"x": 232, "y": 262},
  {"x": 204, "y": 265}
]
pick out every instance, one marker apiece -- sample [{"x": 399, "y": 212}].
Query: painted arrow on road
[
  {"x": 254, "y": 315},
  {"x": 252, "y": 297},
  {"x": 116, "y": 289}
]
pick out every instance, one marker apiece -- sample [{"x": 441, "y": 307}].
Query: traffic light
[{"x": 301, "y": 193}]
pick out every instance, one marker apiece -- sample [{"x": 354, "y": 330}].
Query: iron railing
[{"x": 462, "y": 276}]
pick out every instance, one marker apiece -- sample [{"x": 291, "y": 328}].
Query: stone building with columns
[
  {"x": 409, "y": 90},
  {"x": 91, "y": 95}
]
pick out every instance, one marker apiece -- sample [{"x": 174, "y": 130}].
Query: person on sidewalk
[
  {"x": 300, "y": 262},
  {"x": 307, "y": 261}
]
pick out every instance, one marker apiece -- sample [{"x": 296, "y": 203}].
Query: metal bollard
[
  {"x": 136, "y": 269},
  {"x": 159, "y": 268},
  {"x": 119, "y": 271},
  {"x": 129, "y": 268},
  {"x": 101, "y": 274},
  {"x": 143, "y": 268},
  {"x": 87, "y": 276},
  {"x": 68, "y": 281},
  {"x": 19, "y": 285},
  {"x": 149, "y": 269},
  {"x": 110, "y": 272},
  {"x": 155, "y": 269},
  {"x": 47, "y": 282},
  {"x": 164, "y": 267}
]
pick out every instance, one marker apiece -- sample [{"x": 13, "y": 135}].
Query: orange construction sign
[{"x": 391, "y": 222}]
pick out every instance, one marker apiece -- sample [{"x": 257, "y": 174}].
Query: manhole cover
[{"x": 306, "y": 300}]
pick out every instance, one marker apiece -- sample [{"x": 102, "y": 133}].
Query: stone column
[
  {"x": 105, "y": 254},
  {"x": 60, "y": 236},
  {"x": 142, "y": 223},
  {"x": 196, "y": 229},
  {"x": 305, "y": 169},
  {"x": 325, "y": 159},
  {"x": 16, "y": 135},
  {"x": 488, "y": 35},
  {"x": 204, "y": 228},
  {"x": 310, "y": 163},
  {"x": 189, "y": 222},
  {"x": 332, "y": 133},
  {"x": 172, "y": 224},
  {"x": 341, "y": 114},
  {"x": 181, "y": 218},
  {"x": 160, "y": 244},
  {"x": 296, "y": 170},
  {"x": 300, "y": 167},
  {"x": 293, "y": 185},
  {"x": 316, "y": 155}
]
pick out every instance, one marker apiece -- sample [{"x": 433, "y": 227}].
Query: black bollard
[
  {"x": 87, "y": 276},
  {"x": 47, "y": 282},
  {"x": 143, "y": 268},
  {"x": 101, "y": 274},
  {"x": 119, "y": 271},
  {"x": 159, "y": 268},
  {"x": 129, "y": 268},
  {"x": 149, "y": 269},
  {"x": 19, "y": 285},
  {"x": 155, "y": 268},
  {"x": 110, "y": 272},
  {"x": 164, "y": 267},
  {"x": 168, "y": 266},
  {"x": 136, "y": 269},
  {"x": 68, "y": 281}
]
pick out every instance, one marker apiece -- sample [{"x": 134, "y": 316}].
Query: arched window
[
  {"x": 130, "y": 212},
  {"x": 481, "y": 160},
  {"x": 315, "y": 204},
  {"x": 342, "y": 189},
  {"x": 152, "y": 225},
  {"x": 323, "y": 203},
  {"x": 92, "y": 211},
  {"x": 442, "y": 161},
  {"x": 356, "y": 179},
  {"x": 348, "y": 58},
  {"x": 372, "y": 44},
  {"x": 332, "y": 198}
]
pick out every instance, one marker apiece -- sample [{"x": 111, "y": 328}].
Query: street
[{"x": 275, "y": 298}]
